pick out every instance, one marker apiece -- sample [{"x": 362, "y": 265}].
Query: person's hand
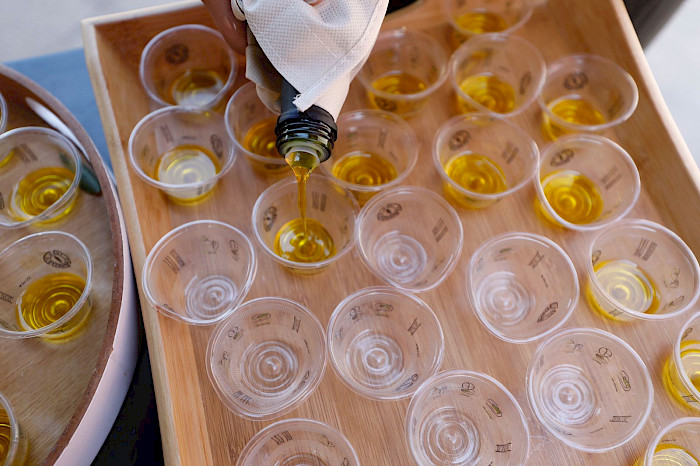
[{"x": 231, "y": 28}]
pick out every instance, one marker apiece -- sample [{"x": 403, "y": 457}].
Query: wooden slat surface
[
  {"x": 51, "y": 385},
  {"x": 196, "y": 426}
]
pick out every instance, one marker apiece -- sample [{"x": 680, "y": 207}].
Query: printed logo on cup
[
  {"x": 576, "y": 80},
  {"x": 389, "y": 211},
  {"x": 56, "y": 258},
  {"x": 177, "y": 54}
]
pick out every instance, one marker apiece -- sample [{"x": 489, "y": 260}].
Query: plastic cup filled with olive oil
[
  {"x": 403, "y": 70},
  {"x": 677, "y": 443},
  {"x": 14, "y": 444},
  {"x": 482, "y": 159},
  {"x": 585, "y": 182},
  {"x": 641, "y": 270},
  {"x": 182, "y": 151},
  {"x": 585, "y": 94},
  {"x": 470, "y": 18},
  {"x": 45, "y": 281},
  {"x": 375, "y": 150},
  {"x": 681, "y": 373},
  {"x": 39, "y": 177},
  {"x": 251, "y": 126},
  {"x": 189, "y": 64},
  {"x": 497, "y": 74}
]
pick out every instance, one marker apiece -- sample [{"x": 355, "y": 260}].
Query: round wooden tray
[{"x": 67, "y": 395}]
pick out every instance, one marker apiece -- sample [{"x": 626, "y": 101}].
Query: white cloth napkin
[{"x": 316, "y": 45}]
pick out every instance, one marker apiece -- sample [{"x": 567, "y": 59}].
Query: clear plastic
[
  {"x": 589, "y": 389},
  {"x": 18, "y": 443},
  {"x": 372, "y": 134},
  {"x": 333, "y": 206},
  {"x": 298, "y": 442},
  {"x": 266, "y": 358},
  {"x": 466, "y": 418},
  {"x": 199, "y": 272},
  {"x": 513, "y": 64},
  {"x": 383, "y": 343},
  {"x": 641, "y": 270},
  {"x": 676, "y": 443},
  {"x": 244, "y": 113},
  {"x": 522, "y": 286},
  {"x": 40, "y": 176},
  {"x": 605, "y": 169},
  {"x": 414, "y": 57},
  {"x": 409, "y": 254},
  {"x": 510, "y": 152},
  {"x": 470, "y": 18},
  {"x": 4, "y": 116},
  {"x": 680, "y": 373},
  {"x": 170, "y": 129},
  {"x": 187, "y": 48},
  {"x": 57, "y": 261},
  {"x": 598, "y": 82}
]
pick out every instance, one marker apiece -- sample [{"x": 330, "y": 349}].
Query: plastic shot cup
[
  {"x": 681, "y": 373},
  {"x": 14, "y": 444},
  {"x": 4, "y": 118},
  {"x": 188, "y": 65},
  {"x": 470, "y": 18},
  {"x": 199, "y": 272},
  {"x": 375, "y": 151},
  {"x": 409, "y": 237},
  {"x": 403, "y": 70},
  {"x": 251, "y": 126},
  {"x": 483, "y": 159},
  {"x": 331, "y": 213},
  {"x": 497, "y": 74},
  {"x": 45, "y": 282},
  {"x": 676, "y": 443},
  {"x": 585, "y": 94},
  {"x": 39, "y": 177},
  {"x": 641, "y": 270},
  {"x": 589, "y": 389},
  {"x": 266, "y": 358},
  {"x": 182, "y": 151},
  {"x": 522, "y": 286},
  {"x": 585, "y": 182},
  {"x": 461, "y": 417},
  {"x": 383, "y": 343},
  {"x": 298, "y": 441}
]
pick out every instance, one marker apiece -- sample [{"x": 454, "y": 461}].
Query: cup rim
[
  {"x": 496, "y": 37},
  {"x": 332, "y": 321},
  {"x": 532, "y": 237},
  {"x": 304, "y": 265},
  {"x": 534, "y": 155},
  {"x": 636, "y": 224},
  {"x": 243, "y": 459},
  {"x": 184, "y": 27},
  {"x": 481, "y": 376},
  {"x": 527, "y": 5},
  {"x": 4, "y": 117},
  {"x": 228, "y": 115},
  {"x": 626, "y": 157},
  {"x": 543, "y": 346},
  {"x": 70, "y": 151},
  {"x": 649, "y": 453},
  {"x": 78, "y": 304},
  {"x": 175, "y": 233},
  {"x": 418, "y": 191},
  {"x": 677, "y": 357},
  {"x": 395, "y": 34},
  {"x": 583, "y": 57},
  {"x": 167, "y": 186},
  {"x": 298, "y": 398},
  {"x": 412, "y": 153},
  {"x": 14, "y": 429}
]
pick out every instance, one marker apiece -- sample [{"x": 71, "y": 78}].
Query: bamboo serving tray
[
  {"x": 67, "y": 395},
  {"x": 196, "y": 426}
]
